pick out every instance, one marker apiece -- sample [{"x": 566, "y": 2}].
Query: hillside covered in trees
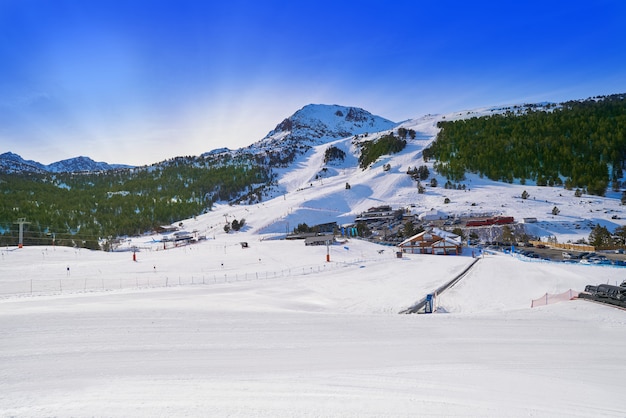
[
  {"x": 78, "y": 209},
  {"x": 578, "y": 144}
]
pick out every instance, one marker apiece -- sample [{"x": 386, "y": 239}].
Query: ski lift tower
[{"x": 21, "y": 222}]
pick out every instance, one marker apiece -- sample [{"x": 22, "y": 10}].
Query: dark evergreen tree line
[
  {"x": 581, "y": 144},
  {"x": 80, "y": 209},
  {"x": 371, "y": 150}
]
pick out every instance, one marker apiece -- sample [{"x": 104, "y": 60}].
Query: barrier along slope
[{"x": 420, "y": 305}]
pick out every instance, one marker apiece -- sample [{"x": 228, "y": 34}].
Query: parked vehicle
[
  {"x": 611, "y": 292},
  {"x": 606, "y": 293}
]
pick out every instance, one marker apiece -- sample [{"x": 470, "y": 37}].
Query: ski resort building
[
  {"x": 432, "y": 241},
  {"x": 432, "y": 215},
  {"x": 375, "y": 214},
  {"x": 320, "y": 240}
]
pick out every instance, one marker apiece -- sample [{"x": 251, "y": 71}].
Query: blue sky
[{"x": 140, "y": 81}]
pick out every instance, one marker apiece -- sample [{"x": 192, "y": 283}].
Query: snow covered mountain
[
  {"x": 317, "y": 124},
  {"x": 81, "y": 163},
  {"x": 321, "y": 191},
  {"x": 307, "y": 188},
  {"x": 13, "y": 163},
  {"x": 312, "y": 190}
]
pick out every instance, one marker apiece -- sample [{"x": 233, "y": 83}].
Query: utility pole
[
  {"x": 21, "y": 222},
  {"x": 327, "y": 251}
]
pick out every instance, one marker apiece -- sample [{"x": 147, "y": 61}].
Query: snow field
[{"x": 323, "y": 344}]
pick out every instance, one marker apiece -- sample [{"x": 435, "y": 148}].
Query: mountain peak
[
  {"x": 316, "y": 124},
  {"x": 78, "y": 164},
  {"x": 333, "y": 121},
  {"x": 13, "y": 163}
]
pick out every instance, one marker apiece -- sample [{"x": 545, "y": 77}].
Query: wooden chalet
[{"x": 432, "y": 241}]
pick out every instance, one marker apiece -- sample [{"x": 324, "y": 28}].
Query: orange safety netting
[{"x": 549, "y": 299}]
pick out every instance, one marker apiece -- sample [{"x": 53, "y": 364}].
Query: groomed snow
[{"x": 325, "y": 339}]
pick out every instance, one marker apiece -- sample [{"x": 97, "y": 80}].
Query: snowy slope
[{"x": 275, "y": 330}]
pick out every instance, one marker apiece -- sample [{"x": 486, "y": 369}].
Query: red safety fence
[{"x": 549, "y": 299}]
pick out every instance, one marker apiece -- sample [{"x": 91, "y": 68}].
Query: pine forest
[{"x": 577, "y": 144}]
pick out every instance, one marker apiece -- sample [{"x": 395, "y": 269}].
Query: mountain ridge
[
  {"x": 311, "y": 125},
  {"x": 11, "y": 163}
]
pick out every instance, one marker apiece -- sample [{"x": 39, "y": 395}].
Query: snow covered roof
[
  {"x": 439, "y": 233},
  {"x": 432, "y": 215},
  {"x": 445, "y": 234}
]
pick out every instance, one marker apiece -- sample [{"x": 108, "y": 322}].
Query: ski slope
[{"x": 275, "y": 330}]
